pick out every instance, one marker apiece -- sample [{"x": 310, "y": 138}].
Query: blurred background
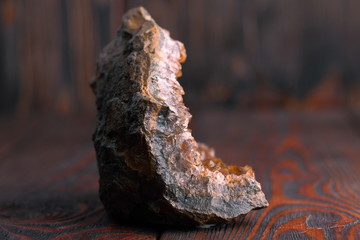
[{"x": 242, "y": 54}]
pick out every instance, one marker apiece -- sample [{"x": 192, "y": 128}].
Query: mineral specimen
[{"x": 151, "y": 168}]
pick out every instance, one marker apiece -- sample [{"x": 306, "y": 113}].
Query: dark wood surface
[
  {"x": 307, "y": 163},
  {"x": 241, "y": 54}
]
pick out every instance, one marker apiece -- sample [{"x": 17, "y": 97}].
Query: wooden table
[{"x": 307, "y": 163}]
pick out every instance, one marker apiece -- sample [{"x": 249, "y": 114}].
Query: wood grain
[
  {"x": 49, "y": 183},
  {"x": 308, "y": 164},
  {"x": 255, "y": 54}
]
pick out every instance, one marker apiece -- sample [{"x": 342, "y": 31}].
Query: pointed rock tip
[{"x": 135, "y": 18}]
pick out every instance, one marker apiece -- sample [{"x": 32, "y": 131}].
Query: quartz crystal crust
[{"x": 151, "y": 168}]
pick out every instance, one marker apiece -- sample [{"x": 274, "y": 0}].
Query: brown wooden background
[{"x": 242, "y": 54}]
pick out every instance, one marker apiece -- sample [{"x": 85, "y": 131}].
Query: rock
[{"x": 151, "y": 168}]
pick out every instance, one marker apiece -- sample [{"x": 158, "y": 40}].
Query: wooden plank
[
  {"x": 241, "y": 54},
  {"x": 308, "y": 165},
  {"x": 49, "y": 183}
]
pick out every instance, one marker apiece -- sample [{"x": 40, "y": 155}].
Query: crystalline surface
[{"x": 151, "y": 168}]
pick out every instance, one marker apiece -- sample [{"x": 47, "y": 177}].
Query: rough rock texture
[{"x": 151, "y": 168}]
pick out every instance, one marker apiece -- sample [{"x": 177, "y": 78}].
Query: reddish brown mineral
[{"x": 151, "y": 168}]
